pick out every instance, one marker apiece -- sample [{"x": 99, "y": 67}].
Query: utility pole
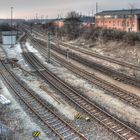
[
  {"x": 131, "y": 18},
  {"x": 67, "y": 54},
  {"x": 17, "y": 31},
  {"x": 11, "y": 26},
  {"x": 36, "y": 18},
  {"x": 58, "y": 37},
  {"x": 92, "y": 16},
  {"x": 48, "y": 47},
  {"x": 96, "y": 7},
  {"x": 57, "y": 31}
]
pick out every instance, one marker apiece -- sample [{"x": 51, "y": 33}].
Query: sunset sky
[{"x": 51, "y": 8}]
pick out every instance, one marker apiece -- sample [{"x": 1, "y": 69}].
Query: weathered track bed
[
  {"x": 88, "y": 52},
  {"x": 59, "y": 128},
  {"x": 128, "y": 97},
  {"x": 106, "y": 70},
  {"x": 124, "y": 78},
  {"x": 114, "y": 125},
  {"x": 84, "y": 51}
]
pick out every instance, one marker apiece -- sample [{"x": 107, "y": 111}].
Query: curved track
[
  {"x": 60, "y": 128},
  {"x": 88, "y": 52},
  {"x": 125, "y": 78},
  {"x": 113, "y": 124},
  {"x": 106, "y": 70},
  {"x": 126, "y": 96}
]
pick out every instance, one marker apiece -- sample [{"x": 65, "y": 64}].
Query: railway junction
[{"x": 61, "y": 91}]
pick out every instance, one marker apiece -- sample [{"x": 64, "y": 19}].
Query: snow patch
[{"x": 26, "y": 124}]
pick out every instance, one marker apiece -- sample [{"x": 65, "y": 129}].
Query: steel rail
[
  {"x": 112, "y": 123},
  {"x": 54, "y": 122}
]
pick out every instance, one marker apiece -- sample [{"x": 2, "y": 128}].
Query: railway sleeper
[
  {"x": 68, "y": 135},
  {"x": 84, "y": 104},
  {"x": 80, "y": 101},
  {"x": 44, "y": 115},
  {"x": 39, "y": 107},
  {"x": 59, "y": 127},
  {"x": 97, "y": 114},
  {"x": 52, "y": 121},
  {"x": 75, "y": 138},
  {"x": 105, "y": 119},
  {"x": 101, "y": 117},
  {"x": 108, "y": 123},
  {"x": 52, "y": 118},
  {"x": 64, "y": 131},
  {"x": 93, "y": 111},
  {"x": 130, "y": 136},
  {"x": 134, "y": 100},
  {"x": 89, "y": 107},
  {"x": 47, "y": 119},
  {"x": 130, "y": 98},
  {"x": 31, "y": 102}
]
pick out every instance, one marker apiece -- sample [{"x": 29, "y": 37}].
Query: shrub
[
  {"x": 111, "y": 34},
  {"x": 131, "y": 38}
]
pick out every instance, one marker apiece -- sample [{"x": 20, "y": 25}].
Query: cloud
[{"x": 29, "y": 8}]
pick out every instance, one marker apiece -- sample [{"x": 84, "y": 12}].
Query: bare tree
[{"x": 72, "y": 24}]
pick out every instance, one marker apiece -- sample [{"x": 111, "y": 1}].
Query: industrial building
[{"x": 125, "y": 20}]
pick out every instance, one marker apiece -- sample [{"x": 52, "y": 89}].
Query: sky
[{"x": 52, "y": 8}]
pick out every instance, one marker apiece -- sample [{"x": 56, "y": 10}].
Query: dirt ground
[{"x": 114, "y": 49}]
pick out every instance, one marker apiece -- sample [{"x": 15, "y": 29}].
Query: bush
[
  {"x": 111, "y": 34},
  {"x": 131, "y": 38}
]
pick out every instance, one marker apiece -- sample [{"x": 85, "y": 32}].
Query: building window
[
  {"x": 127, "y": 23},
  {"x": 118, "y": 23}
]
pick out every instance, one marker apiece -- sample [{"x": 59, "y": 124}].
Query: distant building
[
  {"x": 125, "y": 20},
  {"x": 87, "y": 21},
  {"x": 84, "y": 21},
  {"x": 59, "y": 23}
]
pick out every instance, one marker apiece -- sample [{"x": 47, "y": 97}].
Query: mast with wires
[
  {"x": 96, "y": 7},
  {"x": 11, "y": 26}
]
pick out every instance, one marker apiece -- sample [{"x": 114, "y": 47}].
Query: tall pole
[
  {"x": 57, "y": 35},
  {"x": 11, "y": 26},
  {"x": 96, "y": 7},
  {"x": 48, "y": 47}
]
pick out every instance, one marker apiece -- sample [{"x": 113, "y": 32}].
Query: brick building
[{"x": 125, "y": 20}]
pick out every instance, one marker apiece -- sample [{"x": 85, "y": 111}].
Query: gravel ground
[
  {"x": 104, "y": 100},
  {"x": 51, "y": 97},
  {"x": 113, "y": 105},
  {"x": 17, "y": 119},
  {"x": 115, "y": 50},
  {"x": 95, "y": 132}
]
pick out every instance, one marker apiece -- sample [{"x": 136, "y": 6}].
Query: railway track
[
  {"x": 128, "y": 97},
  {"x": 113, "y": 73},
  {"x": 106, "y": 70},
  {"x": 113, "y": 124},
  {"x": 60, "y": 128},
  {"x": 88, "y": 52}
]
